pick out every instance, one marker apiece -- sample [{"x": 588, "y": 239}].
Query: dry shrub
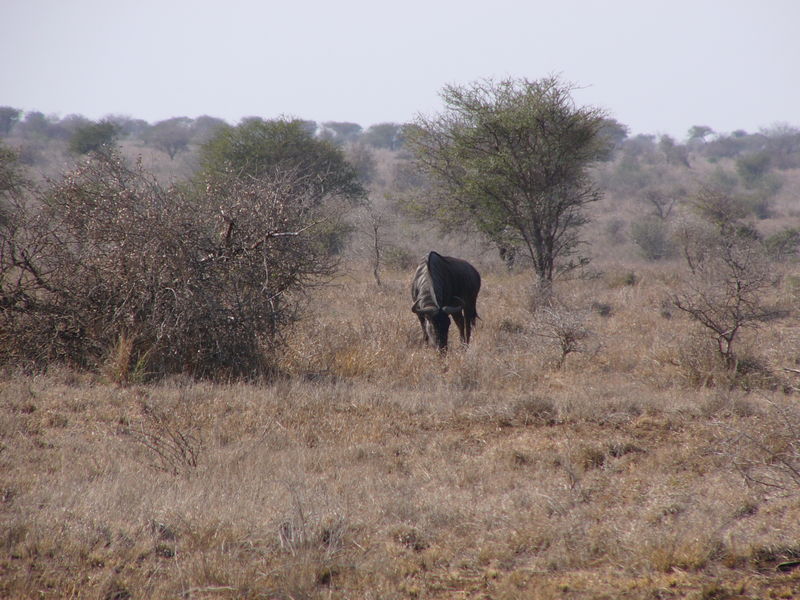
[
  {"x": 173, "y": 439},
  {"x": 766, "y": 450},
  {"x": 557, "y": 321},
  {"x": 110, "y": 267},
  {"x": 727, "y": 278}
]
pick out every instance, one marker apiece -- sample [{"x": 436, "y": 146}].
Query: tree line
[{"x": 171, "y": 136}]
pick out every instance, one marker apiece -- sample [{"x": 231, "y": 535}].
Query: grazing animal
[{"x": 442, "y": 287}]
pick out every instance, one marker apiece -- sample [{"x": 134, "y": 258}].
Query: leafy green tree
[
  {"x": 10, "y": 174},
  {"x": 384, "y": 135},
  {"x": 676, "y": 154},
  {"x": 258, "y": 148},
  {"x": 35, "y": 125},
  {"x": 204, "y": 128},
  {"x": 8, "y": 118},
  {"x": 128, "y": 126},
  {"x": 783, "y": 145},
  {"x": 12, "y": 183},
  {"x": 616, "y": 133},
  {"x": 361, "y": 157},
  {"x": 171, "y": 135},
  {"x": 735, "y": 144},
  {"x": 93, "y": 137},
  {"x": 699, "y": 133},
  {"x": 341, "y": 132},
  {"x": 753, "y": 167},
  {"x": 64, "y": 129},
  {"x": 512, "y": 158}
]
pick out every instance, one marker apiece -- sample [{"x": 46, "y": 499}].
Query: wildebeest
[{"x": 444, "y": 286}]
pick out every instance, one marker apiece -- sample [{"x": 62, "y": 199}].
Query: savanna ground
[{"x": 374, "y": 468}]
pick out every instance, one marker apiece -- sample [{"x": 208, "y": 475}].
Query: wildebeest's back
[{"x": 445, "y": 281}]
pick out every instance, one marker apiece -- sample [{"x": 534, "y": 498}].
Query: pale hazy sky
[{"x": 659, "y": 66}]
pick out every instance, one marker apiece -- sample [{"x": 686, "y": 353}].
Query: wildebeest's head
[{"x": 437, "y": 322}]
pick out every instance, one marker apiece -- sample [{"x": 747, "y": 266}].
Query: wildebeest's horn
[
  {"x": 423, "y": 311},
  {"x": 454, "y": 309}
]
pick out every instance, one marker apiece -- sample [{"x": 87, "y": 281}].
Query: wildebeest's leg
[
  {"x": 459, "y": 319},
  {"x": 424, "y": 329},
  {"x": 469, "y": 323}
]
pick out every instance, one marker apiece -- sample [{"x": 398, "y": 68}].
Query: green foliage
[
  {"x": 361, "y": 157},
  {"x": 11, "y": 178},
  {"x": 400, "y": 259},
  {"x": 341, "y": 132},
  {"x": 759, "y": 201},
  {"x": 93, "y": 137},
  {"x": 384, "y": 135},
  {"x": 35, "y": 125},
  {"x": 8, "y": 118},
  {"x": 128, "y": 126},
  {"x": 753, "y": 167},
  {"x": 735, "y": 200},
  {"x": 783, "y": 145},
  {"x": 719, "y": 207},
  {"x": 699, "y": 132},
  {"x": 204, "y": 128},
  {"x": 171, "y": 136},
  {"x": 511, "y": 159},
  {"x": 676, "y": 154},
  {"x": 615, "y": 133},
  {"x": 259, "y": 148},
  {"x": 12, "y": 183}
]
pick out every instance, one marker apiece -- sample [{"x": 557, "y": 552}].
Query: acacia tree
[
  {"x": 511, "y": 159},
  {"x": 93, "y": 137},
  {"x": 257, "y": 148},
  {"x": 171, "y": 135}
]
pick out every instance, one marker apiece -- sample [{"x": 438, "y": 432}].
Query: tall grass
[{"x": 373, "y": 467}]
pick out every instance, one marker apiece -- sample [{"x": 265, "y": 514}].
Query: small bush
[
  {"x": 621, "y": 279},
  {"x": 768, "y": 455},
  {"x": 615, "y": 231},
  {"x": 399, "y": 258},
  {"x": 563, "y": 325},
  {"x": 652, "y": 237},
  {"x": 783, "y": 245}
]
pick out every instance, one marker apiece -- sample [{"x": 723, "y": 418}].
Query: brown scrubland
[
  {"x": 375, "y": 468},
  {"x": 597, "y": 446}
]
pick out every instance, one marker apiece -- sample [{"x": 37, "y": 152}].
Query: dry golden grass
[{"x": 374, "y": 468}]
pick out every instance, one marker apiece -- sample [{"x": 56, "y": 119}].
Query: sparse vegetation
[
  {"x": 598, "y": 446},
  {"x": 370, "y": 467}
]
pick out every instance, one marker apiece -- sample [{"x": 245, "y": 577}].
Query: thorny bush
[{"x": 194, "y": 281}]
